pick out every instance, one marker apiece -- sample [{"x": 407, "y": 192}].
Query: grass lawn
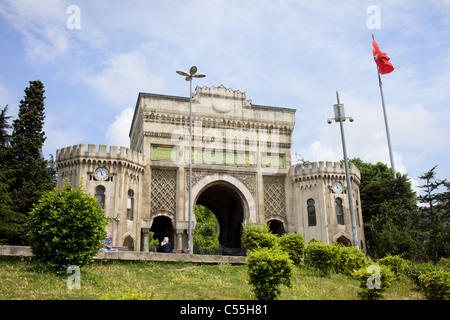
[{"x": 24, "y": 279}]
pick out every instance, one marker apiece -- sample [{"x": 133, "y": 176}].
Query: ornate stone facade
[{"x": 241, "y": 170}]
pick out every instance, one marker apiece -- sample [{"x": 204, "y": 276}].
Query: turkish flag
[{"x": 381, "y": 59}]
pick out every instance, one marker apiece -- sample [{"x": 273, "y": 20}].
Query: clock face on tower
[
  {"x": 337, "y": 187},
  {"x": 101, "y": 174}
]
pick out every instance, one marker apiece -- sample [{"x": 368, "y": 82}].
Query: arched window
[
  {"x": 100, "y": 195},
  {"x": 339, "y": 211},
  {"x": 311, "y": 213},
  {"x": 130, "y": 204}
]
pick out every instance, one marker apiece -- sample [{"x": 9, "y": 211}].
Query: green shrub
[
  {"x": 66, "y": 228},
  {"x": 294, "y": 245},
  {"x": 435, "y": 284},
  {"x": 395, "y": 263},
  {"x": 444, "y": 262},
  {"x": 373, "y": 281},
  {"x": 347, "y": 259},
  {"x": 320, "y": 256},
  {"x": 268, "y": 269},
  {"x": 255, "y": 237},
  {"x": 415, "y": 270}
]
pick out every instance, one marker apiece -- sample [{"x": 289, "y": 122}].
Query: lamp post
[
  {"x": 192, "y": 74},
  {"x": 339, "y": 116}
]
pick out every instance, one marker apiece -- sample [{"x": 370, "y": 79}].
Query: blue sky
[{"x": 294, "y": 54}]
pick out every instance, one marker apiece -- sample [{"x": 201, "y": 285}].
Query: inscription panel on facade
[
  {"x": 214, "y": 156},
  {"x": 164, "y": 153}
]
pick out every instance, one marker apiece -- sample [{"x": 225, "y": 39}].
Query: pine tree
[
  {"x": 5, "y": 137},
  {"x": 27, "y": 170},
  {"x": 9, "y": 226},
  {"x": 436, "y": 215}
]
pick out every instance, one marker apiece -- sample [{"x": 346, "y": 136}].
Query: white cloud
[
  {"x": 59, "y": 134},
  {"x": 122, "y": 77},
  {"x": 117, "y": 133},
  {"x": 43, "y": 26}
]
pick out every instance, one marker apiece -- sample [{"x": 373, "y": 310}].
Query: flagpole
[{"x": 391, "y": 156}]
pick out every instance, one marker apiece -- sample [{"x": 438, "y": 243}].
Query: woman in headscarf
[{"x": 165, "y": 246}]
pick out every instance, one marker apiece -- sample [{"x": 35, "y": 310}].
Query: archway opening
[
  {"x": 277, "y": 227},
  {"x": 162, "y": 227},
  {"x": 206, "y": 232},
  {"x": 129, "y": 243},
  {"x": 224, "y": 201},
  {"x": 344, "y": 241}
]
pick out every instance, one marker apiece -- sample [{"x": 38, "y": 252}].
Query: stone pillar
[
  {"x": 179, "y": 240},
  {"x": 145, "y": 239}
]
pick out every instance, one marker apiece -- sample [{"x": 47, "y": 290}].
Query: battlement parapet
[
  {"x": 322, "y": 168},
  {"x": 114, "y": 153}
]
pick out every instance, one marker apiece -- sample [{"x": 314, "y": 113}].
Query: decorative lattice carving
[
  {"x": 274, "y": 196},
  {"x": 164, "y": 186}
]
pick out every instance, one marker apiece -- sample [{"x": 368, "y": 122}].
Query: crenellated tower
[
  {"x": 115, "y": 176},
  {"x": 321, "y": 206}
]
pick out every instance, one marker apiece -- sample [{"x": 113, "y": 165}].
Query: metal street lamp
[
  {"x": 192, "y": 74},
  {"x": 339, "y": 116}
]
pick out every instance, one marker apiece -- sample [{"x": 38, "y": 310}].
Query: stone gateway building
[{"x": 241, "y": 171}]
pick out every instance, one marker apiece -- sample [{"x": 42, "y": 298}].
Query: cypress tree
[{"x": 26, "y": 168}]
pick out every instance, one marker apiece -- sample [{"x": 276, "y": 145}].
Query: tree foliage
[
  {"x": 394, "y": 224},
  {"x": 66, "y": 228},
  {"x": 435, "y": 215},
  {"x": 206, "y": 232},
  {"x": 9, "y": 224},
  {"x": 24, "y": 173},
  {"x": 389, "y": 210}
]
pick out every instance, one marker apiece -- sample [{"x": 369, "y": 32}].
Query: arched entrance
[
  {"x": 344, "y": 241},
  {"x": 224, "y": 201},
  {"x": 129, "y": 243},
  {"x": 162, "y": 227},
  {"x": 276, "y": 226}
]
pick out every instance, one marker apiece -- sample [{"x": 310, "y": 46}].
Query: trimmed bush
[
  {"x": 347, "y": 259},
  {"x": 435, "y": 284},
  {"x": 268, "y": 269},
  {"x": 255, "y": 237},
  {"x": 320, "y": 256},
  {"x": 373, "y": 281},
  {"x": 395, "y": 263},
  {"x": 66, "y": 228},
  {"x": 294, "y": 245}
]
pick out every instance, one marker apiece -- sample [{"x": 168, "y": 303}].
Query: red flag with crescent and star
[{"x": 381, "y": 59}]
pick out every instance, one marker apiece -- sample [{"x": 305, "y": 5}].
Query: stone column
[
  {"x": 145, "y": 239},
  {"x": 179, "y": 240}
]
